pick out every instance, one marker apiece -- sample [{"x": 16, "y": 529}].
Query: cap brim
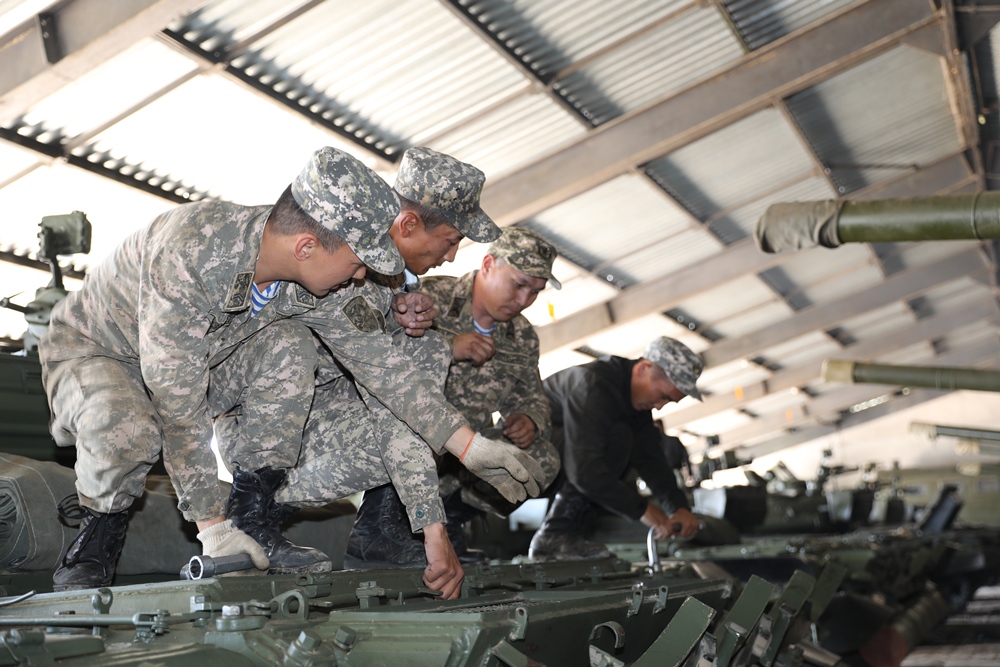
[
  {"x": 555, "y": 283},
  {"x": 383, "y": 258},
  {"x": 691, "y": 390},
  {"x": 478, "y": 226}
]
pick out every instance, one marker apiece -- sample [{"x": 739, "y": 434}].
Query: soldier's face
[
  {"x": 324, "y": 271},
  {"x": 423, "y": 250},
  {"x": 506, "y": 291},
  {"x": 651, "y": 389}
]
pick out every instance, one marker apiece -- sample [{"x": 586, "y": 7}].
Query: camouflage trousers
[
  {"x": 481, "y": 495},
  {"x": 101, "y": 405},
  {"x": 352, "y": 443}
]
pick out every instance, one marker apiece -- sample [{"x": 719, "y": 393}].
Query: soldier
[
  {"x": 602, "y": 423},
  {"x": 494, "y": 368},
  {"x": 211, "y": 313},
  {"x": 439, "y": 201}
]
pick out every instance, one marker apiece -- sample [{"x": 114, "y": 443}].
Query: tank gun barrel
[
  {"x": 795, "y": 225},
  {"x": 852, "y": 372}
]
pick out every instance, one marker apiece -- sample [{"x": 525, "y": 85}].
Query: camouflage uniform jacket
[
  {"x": 507, "y": 383},
  {"x": 174, "y": 299}
]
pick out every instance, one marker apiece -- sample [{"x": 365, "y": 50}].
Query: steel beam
[
  {"x": 739, "y": 259},
  {"x": 776, "y": 71},
  {"x": 902, "y": 285},
  {"x": 77, "y": 36},
  {"x": 661, "y": 294},
  {"x": 927, "y": 329},
  {"x": 837, "y": 401}
]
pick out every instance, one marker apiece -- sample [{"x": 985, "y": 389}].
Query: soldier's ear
[
  {"x": 489, "y": 261},
  {"x": 408, "y": 222},
  {"x": 305, "y": 244}
]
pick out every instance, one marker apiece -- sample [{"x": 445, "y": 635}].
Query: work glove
[
  {"x": 225, "y": 539},
  {"x": 510, "y": 470}
]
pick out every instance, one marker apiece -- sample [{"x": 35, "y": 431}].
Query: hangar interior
[{"x": 643, "y": 139}]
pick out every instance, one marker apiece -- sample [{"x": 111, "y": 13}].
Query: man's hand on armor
[
  {"x": 473, "y": 347},
  {"x": 520, "y": 429},
  {"x": 414, "y": 311},
  {"x": 658, "y": 521},
  {"x": 508, "y": 469},
  {"x": 444, "y": 573},
  {"x": 225, "y": 539},
  {"x": 688, "y": 522}
]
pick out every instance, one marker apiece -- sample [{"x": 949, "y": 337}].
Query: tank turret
[{"x": 796, "y": 225}]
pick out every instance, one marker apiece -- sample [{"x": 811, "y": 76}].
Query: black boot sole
[{"x": 315, "y": 568}]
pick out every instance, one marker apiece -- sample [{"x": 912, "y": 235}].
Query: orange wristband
[{"x": 466, "y": 450}]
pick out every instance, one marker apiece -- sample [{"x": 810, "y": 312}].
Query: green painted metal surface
[{"x": 975, "y": 216}]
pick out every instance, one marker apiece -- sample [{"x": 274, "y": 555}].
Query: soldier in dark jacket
[{"x": 603, "y": 426}]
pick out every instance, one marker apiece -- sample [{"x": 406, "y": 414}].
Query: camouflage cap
[
  {"x": 351, "y": 200},
  {"x": 681, "y": 365},
  {"x": 527, "y": 252},
  {"x": 448, "y": 185}
]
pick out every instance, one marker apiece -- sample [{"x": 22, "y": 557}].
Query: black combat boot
[
  {"x": 252, "y": 509},
  {"x": 458, "y": 514},
  {"x": 381, "y": 537},
  {"x": 561, "y": 535},
  {"x": 91, "y": 559}
]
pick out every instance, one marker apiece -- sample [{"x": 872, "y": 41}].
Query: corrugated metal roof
[
  {"x": 763, "y": 21},
  {"x": 812, "y": 267},
  {"x": 801, "y": 350},
  {"x": 659, "y": 259},
  {"x": 733, "y": 166},
  {"x": 912, "y": 255},
  {"x": 739, "y": 223},
  {"x": 843, "y": 284},
  {"x": 109, "y": 90},
  {"x": 550, "y": 35},
  {"x": 720, "y": 422},
  {"x": 630, "y": 339},
  {"x": 730, "y": 299},
  {"x": 655, "y": 64},
  {"x": 879, "y": 322},
  {"x": 917, "y": 354},
  {"x": 201, "y": 111},
  {"x": 969, "y": 336},
  {"x": 14, "y": 161},
  {"x": 588, "y": 229},
  {"x": 510, "y": 136},
  {"x": 767, "y": 315},
  {"x": 726, "y": 377},
  {"x": 778, "y": 402},
  {"x": 337, "y": 56},
  {"x": 908, "y": 119},
  {"x": 955, "y": 294},
  {"x": 114, "y": 210}
]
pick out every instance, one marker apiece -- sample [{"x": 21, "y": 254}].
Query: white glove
[
  {"x": 510, "y": 470},
  {"x": 225, "y": 539}
]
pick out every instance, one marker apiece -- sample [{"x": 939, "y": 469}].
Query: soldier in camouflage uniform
[
  {"x": 603, "y": 427},
  {"x": 439, "y": 201},
  {"x": 494, "y": 367},
  {"x": 169, "y": 334}
]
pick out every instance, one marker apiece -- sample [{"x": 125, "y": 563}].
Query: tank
[
  {"x": 853, "y": 372},
  {"x": 796, "y": 225}
]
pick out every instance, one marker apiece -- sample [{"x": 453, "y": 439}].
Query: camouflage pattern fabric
[
  {"x": 261, "y": 395},
  {"x": 681, "y": 365},
  {"x": 527, "y": 252},
  {"x": 507, "y": 383},
  {"x": 338, "y": 457},
  {"x": 349, "y": 199},
  {"x": 448, "y": 185},
  {"x": 189, "y": 274}
]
